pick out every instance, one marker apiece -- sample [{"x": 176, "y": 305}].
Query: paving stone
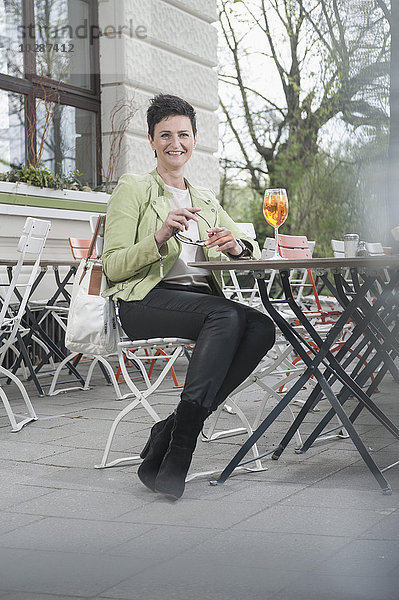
[
  {"x": 321, "y": 497},
  {"x": 30, "y": 596},
  {"x": 330, "y": 587},
  {"x": 39, "y": 435},
  {"x": 63, "y": 573},
  {"x": 362, "y": 557},
  {"x": 113, "y": 480},
  {"x": 359, "y": 477},
  {"x": 196, "y": 513},
  {"x": 56, "y": 534},
  {"x": 330, "y": 521},
  {"x": 26, "y": 451},
  {"x": 279, "y": 534},
  {"x": 271, "y": 550},
  {"x": 11, "y": 522},
  {"x": 84, "y": 504},
  {"x": 14, "y": 494},
  {"x": 95, "y": 441},
  {"x": 155, "y": 544},
  {"x": 184, "y": 579},
  {"x": 386, "y": 529},
  {"x": 83, "y": 458}
]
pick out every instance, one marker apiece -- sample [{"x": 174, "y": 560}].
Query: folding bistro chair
[
  {"x": 298, "y": 246},
  {"x": 174, "y": 348},
  {"x": 127, "y": 350},
  {"x": 80, "y": 249},
  {"x": 243, "y": 289},
  {"x": 281, "y": 364},
  {"x": 31, "y": 244}
]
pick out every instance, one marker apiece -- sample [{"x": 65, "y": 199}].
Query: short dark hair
[{"x": 166, "y": 105}]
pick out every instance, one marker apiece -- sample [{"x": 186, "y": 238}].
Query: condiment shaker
[{"x": 351, "y": 241}]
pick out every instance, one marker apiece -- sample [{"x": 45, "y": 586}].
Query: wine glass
[{"x": 275, "y": 211}]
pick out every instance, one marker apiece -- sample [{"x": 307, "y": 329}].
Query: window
[
  {"x": 49, "y": 85},
  {"x": 12, "y": 129},
  {"x": 69, "y": 141},
  {"x": 62, "y": 27},
  {"x": 11, "y": 61}
]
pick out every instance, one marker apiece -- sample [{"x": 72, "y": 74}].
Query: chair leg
[
  {"x": 17, "y": 426},
  {"x": 140, "y": 399},
  {"x": 103, "y": 464},
  {"x": 62, "y": 364},
  {"x": 107, "y": 368}
]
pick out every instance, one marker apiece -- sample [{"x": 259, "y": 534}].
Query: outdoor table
[
  {"x": 32, "y": 320},
  {"x": 374, "y": 321}
]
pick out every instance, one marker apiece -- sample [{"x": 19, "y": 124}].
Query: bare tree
[
  {"x": 329, "y": 59},
  {"x": 47, "y": 102},
  {"x": 120, "y": 117}
]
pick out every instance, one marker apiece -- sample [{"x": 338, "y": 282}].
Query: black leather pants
[{"x": 231, "y": 338}]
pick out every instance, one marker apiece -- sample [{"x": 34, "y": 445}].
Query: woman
[{"x": 156, "y": 224}]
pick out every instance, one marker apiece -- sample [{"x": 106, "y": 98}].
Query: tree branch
[
  {"x": 381, "y": 4},
  {"x": 254, "y": 178}
]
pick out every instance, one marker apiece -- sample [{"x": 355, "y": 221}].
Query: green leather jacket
[{"x": 137, "y": 208}]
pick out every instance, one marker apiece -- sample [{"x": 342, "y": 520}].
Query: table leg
[{"x": 334, "y": 368}]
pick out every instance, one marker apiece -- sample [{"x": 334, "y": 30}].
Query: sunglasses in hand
[{"x": 187, "y": 240}]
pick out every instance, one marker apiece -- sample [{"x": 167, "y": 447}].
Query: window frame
[{"x": 33, "y": 87}]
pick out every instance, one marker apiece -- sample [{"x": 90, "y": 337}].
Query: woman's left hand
[{"x": 224, "y": 240}]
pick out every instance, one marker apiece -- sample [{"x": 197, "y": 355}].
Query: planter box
[{"x": 68, "y": 210}]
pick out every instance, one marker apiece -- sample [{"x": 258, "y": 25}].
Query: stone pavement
[{"x": 311, "y": 527}]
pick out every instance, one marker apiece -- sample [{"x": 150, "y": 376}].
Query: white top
[{"x": 181, "y": 273}]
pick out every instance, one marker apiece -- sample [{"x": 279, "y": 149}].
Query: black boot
[
  {"x": 172, "y": 473},
  {"x": 154, "y": 451}
]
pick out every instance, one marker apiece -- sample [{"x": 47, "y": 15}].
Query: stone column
[{"x": 161, "y": 46}]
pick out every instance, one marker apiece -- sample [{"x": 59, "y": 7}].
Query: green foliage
[
  {"x": 327, "y": 203},
  {"x": 337, "y": 194},
  {"x": 244, "y": 205},
  {"x": 45, "y": 178}
]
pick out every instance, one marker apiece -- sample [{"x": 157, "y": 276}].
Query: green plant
[{"x": 45, "y": 178}]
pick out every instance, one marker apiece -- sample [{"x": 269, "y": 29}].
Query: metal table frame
[
  {"x": 32, "y": 321},
  {"x": 372, "y": 321}
]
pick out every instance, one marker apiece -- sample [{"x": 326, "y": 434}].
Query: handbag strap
[{"x": 100, "y": 221}]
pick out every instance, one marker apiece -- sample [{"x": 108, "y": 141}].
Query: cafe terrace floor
[{"x": 311, "y": 527}]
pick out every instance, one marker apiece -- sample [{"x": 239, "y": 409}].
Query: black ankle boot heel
[
  {"x": 155, "y": 430},
  {"x": 146, "y": 448},
  {"x": 154, "y": 451},
  {"x": 171, "y": 477}
]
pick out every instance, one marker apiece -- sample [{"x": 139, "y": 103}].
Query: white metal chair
[
  {"x": 338, "y": 248},
  {"x": 80, "y": 248},
  {"x": 31, "y": 243},
  {"x": 174, "y": 349},
  {"x": 280, "y": 364},
  {"x": 272, "y": 375},
  {"x": 233, "y": 289}
]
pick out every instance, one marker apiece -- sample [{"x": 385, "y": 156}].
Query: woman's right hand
[{"x": 177, "y": 220}]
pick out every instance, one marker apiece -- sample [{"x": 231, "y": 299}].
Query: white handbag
[{"x": 92, "y": 326}]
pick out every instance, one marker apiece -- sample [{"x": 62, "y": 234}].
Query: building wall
[
  {"x": 178, "y": 55},
  {"x": 167, "y": 46}
]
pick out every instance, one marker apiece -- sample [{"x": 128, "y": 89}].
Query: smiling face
[{"x": 174, "y": 142}]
